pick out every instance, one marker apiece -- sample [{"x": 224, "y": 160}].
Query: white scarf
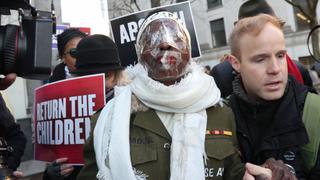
[{"x": 184, "y": 104}]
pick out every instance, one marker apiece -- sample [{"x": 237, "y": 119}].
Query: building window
[
  {"x": 214, "y": 3},
  {"x": 301, "y": 21},
  {"x": 218, "y": 34}
]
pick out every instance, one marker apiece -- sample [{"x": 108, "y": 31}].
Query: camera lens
[{"x": 12, "y": 47}]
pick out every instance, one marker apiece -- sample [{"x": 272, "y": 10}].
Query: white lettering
[
  {"x": 123, "y": 34},
  {"x": 68, "y": 132},
  {"x": 133, "y": 29},
  {"x": 51, "y": 109},
  {"x": 87, "y": 126},
  {"x": 55, "y": 109},
  {"x": 62, "y": 108},
  {"x": 73, "y": 99},
  {"x": 58, "y": 132},
  {"x": 91, "y": 104},
  {"x": 220, "y": 172},
  {"x": 39, "y": 133},
  {"x": 78, "y": 130},
  {"x": 82, "y": 105}
]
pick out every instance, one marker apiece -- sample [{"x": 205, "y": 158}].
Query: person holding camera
[
  {"x": 67, "y": 43},
  {"x": 10, "y": 131}
]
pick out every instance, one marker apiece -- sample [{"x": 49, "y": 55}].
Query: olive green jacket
[{"x": 150, "y": 147}]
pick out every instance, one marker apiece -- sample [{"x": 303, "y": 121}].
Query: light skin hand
[
  {"x": 18, "y": 174},
  {"x": 65, "y": 169},
  {"x": 257, "y": 172},
  {"x": 7, "y": 80}
]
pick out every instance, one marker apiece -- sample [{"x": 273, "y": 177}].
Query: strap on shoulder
[{"x": 311, "y": 120}]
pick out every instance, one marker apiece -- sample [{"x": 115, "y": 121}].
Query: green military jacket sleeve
[{"x": 150, "y": 147}]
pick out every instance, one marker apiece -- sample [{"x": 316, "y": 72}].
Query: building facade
[{"x": 215, "y": 19}]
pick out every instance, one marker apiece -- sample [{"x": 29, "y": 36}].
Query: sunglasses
[{"x": 72, "y": 52}]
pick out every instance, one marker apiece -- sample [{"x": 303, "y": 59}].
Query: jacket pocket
[
  {"x": 219, "y": 148},
  {"x": 143, "y": 153}
]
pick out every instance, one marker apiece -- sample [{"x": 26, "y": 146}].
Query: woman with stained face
[
  {"x": 168, "y": 122},
  {"x": 164, "y": 50}
]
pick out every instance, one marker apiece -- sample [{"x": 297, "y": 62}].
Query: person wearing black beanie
[
  {"x": 99, "y": 54},
  {"x": 67, "y": 42}
]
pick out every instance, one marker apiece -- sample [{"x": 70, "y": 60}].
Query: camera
[
  {"x": 5, "y": 172},
  {"x": 25, "y": 40}
]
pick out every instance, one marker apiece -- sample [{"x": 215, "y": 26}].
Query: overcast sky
[{"x": 86, "y": 13}]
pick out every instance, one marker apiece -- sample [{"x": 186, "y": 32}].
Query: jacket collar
[
  {"x": 286, "y": 118},
  {"x": 150, "y": 121}
]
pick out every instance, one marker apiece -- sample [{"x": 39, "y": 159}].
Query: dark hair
[{"x": 253, "y": 8}]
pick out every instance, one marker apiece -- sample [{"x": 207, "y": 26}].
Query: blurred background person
[
  {"x": 67, "y": 43},
  {"x": 207, "y": 69}
]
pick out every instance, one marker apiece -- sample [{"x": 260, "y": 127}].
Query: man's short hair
[{"x": 251, "y": 25}]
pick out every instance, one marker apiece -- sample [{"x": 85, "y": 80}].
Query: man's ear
[{"x": 235, "y": 63}]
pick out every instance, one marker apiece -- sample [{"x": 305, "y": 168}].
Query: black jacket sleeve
[
  {"x": 58, "y": 73},
  {"x": 12, "y": 134}
]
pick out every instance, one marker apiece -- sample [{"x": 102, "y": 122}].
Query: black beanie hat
[
  {"x": 253, "y": 8},
  {"x": 66, "y": 36},
  {"x": 96, "y": 54}
]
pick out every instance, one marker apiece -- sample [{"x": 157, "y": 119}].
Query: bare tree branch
[
  {"x": 155, "y": 3},
  {"x": 136, "y": 4},
  {"x": 300, "y": 8}
]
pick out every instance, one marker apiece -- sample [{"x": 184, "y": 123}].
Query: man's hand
[
  {"x": 7, "y": 80},
  {"x": 279, "y": 170},
  {"x": 18, "y": 174},
  {"x": 256, "y": 172}
]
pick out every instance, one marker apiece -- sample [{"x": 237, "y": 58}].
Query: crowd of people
[{"x": 252, "y": 116}]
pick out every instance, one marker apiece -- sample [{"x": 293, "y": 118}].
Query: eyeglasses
[{"x": 72, "y": 52}]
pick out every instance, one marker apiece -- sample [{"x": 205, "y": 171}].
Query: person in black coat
[{"x": 10, "y": 130}]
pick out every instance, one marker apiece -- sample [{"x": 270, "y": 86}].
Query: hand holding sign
[{"x": 62, "y": 116}]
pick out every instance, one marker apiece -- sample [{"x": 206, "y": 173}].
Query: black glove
[{"x": 57, "y": 170}]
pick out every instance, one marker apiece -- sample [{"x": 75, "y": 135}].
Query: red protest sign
[{"x": 62, "y": 116}]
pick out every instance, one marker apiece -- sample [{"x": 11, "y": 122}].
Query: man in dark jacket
[
  {"x": 10, "y": 130},
  {"x": 268, "y": 105}
]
